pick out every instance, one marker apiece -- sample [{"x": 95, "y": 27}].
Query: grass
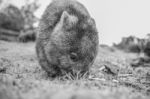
[{"x": 110, "y": 77}]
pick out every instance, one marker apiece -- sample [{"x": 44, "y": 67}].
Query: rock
[{"x": 29, "y": 35}]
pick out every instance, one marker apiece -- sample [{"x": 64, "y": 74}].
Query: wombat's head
[{"x": 76, "y": 41}]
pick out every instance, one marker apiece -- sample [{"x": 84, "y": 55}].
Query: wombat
[{"x": 67, "y": 39}]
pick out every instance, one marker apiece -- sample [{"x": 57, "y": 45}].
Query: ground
[{"x": 111, "y": 76}]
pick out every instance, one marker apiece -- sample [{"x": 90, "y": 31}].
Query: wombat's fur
[{"x": 67, "y": 39}]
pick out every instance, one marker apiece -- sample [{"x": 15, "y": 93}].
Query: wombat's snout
[{"x": 71, "y": 62}]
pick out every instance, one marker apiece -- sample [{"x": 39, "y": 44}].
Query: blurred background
[{"x": 115, "y": 19}]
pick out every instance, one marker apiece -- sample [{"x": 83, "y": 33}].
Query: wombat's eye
[{"x": 73, "y": 57}]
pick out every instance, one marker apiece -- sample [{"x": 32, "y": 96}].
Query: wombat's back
[{"x": 54, "y": 11}]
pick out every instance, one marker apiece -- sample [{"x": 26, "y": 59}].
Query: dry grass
[{"x": 110, "y": 77}]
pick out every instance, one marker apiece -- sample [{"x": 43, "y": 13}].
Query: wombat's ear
[
  {"x": 91, "y": 21},
  {"x": 68, "y": 20}
]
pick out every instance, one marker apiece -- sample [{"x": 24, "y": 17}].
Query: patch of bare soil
[{"x": 111, "y": 77}]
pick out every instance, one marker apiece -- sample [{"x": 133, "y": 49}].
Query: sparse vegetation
[
  {"x": 111, "y": 77},
  {"x": 18, "y": 24},
  {"x": 140, "y": 46},
  {"x": 29, "y": 31},
  {"x": 11, "y": 23}
]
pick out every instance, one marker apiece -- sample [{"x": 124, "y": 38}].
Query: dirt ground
[{"x": 111, "y": 77}]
